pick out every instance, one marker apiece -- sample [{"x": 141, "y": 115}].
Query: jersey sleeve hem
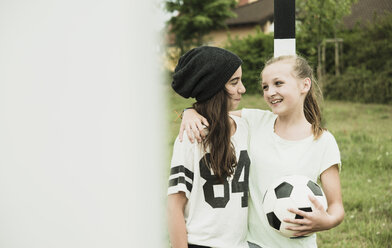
[
  {"x": 329, "y": 166},
  {"x": 181, "y": 179},
  {"x": 332, "y": 153}
]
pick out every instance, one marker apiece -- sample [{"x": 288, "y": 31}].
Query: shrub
[
  {"x": 254, "y": 50},
  {"x": 349, "y": 86},
  {"x": 361, "y": 85},
  {"x": 366, "y": 57},
  {"x": 369, "y": 45}
]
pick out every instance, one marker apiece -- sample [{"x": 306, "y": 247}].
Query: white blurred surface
[{"x": 80, "y": 124}]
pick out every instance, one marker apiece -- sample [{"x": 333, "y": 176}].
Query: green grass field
[{"x": 364, "y": 136}]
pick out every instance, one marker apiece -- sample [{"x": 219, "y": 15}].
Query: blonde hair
[{"x": 303, "y": 70}]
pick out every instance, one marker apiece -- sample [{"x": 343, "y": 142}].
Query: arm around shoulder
[
  {"x": 256, "y": 117},
  {"x": 192, "y": 122}
]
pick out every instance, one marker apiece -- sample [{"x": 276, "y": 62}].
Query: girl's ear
[{"x": 306, "y": 84}]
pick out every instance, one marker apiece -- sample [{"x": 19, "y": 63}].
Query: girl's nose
[{"x": 241, "y": 88}]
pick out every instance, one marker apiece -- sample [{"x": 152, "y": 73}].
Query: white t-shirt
[
  {"x": 216, "y": 214},
  {"x": 272, "y": 158}
]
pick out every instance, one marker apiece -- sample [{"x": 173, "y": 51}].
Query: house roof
[
  {"x": 263, "y": 10},
  {"x": 364, "y": 10},
  {"x": 254, "y": 13}
]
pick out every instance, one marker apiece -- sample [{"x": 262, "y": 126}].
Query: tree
[
  {"x": 194, "y": 19},
  {"x": 320, "y": 19}
]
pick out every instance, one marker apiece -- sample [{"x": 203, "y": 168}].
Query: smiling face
[
  {"x": 235, "y": 89},
  {"x": 283, "y": 91}
]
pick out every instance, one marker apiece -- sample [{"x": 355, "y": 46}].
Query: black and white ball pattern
[{"x": 290, "y": 192}]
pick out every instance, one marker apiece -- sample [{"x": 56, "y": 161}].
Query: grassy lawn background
[{"x": 364, "y": 136}]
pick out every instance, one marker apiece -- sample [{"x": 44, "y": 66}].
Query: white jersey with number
[
  {"x": 272, "y": 158},
  {"x": 216, "y": 213}
]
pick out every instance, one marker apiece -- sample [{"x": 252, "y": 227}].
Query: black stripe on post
[
  {"x": 284, "y": 27},
  {"x": 284, "y": 19}
]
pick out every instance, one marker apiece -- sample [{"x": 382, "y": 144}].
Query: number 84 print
[{"x": 237, "y": 186}]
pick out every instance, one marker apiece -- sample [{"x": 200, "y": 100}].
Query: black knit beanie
[{"x": 203, "y": 71}]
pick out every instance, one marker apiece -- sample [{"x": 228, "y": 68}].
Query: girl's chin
[
  {"x": 234, "y": 106},
  {"x": 276, "y": 111}
]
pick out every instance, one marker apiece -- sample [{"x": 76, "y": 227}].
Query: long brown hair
[
  {"x": 218, "y": 140},
  {"x": 303, "y": 70}
]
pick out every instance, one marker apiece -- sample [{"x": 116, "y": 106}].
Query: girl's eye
[
  {"x": 234, "y": 83},
  {"x": 278, "y": 83},
  {"x": 265, "y": 87}
]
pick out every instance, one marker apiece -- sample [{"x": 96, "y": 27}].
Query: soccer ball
[{"x": 290, "y": 192}]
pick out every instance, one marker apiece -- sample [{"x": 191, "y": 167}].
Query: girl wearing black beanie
[{"x": 208, "y": 183}]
